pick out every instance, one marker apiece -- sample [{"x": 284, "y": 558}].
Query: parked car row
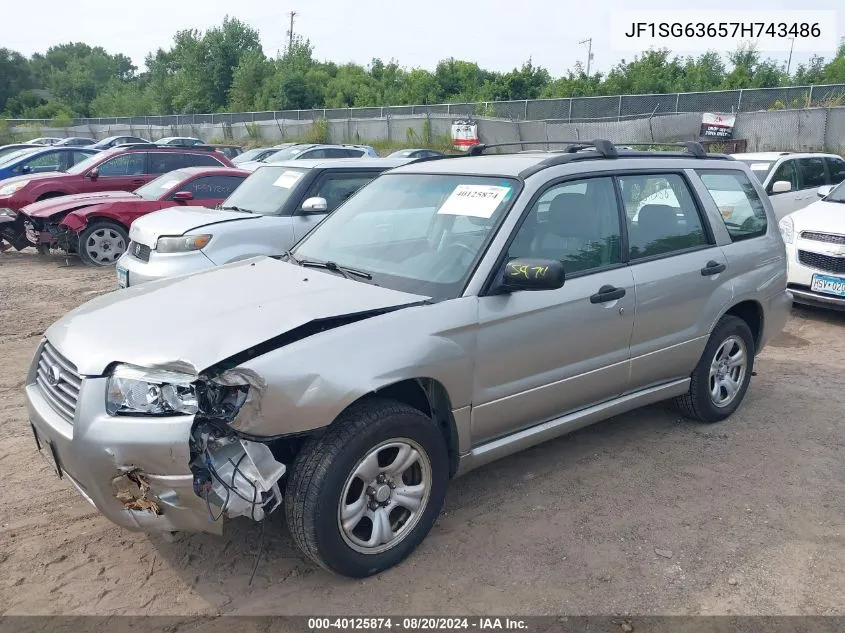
[
  {"x": 346, "y": 379},
  {"x": 121, "y": 168}
]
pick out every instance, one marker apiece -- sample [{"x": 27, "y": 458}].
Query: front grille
[
  {"x": 58, "y": 381},
  {"x": 827, "y": 263},
  {"x": 830, "y": 238},
  {"x": 139, "y": 251}
]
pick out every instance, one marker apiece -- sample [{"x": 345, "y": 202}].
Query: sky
[{"x": 497, "y": 34}]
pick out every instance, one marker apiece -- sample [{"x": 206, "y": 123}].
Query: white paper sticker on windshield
[
  {"x": 287, "y": 179},
  {"x": 479, "y": 201},
  {"x": 167, "y": 184},
  {"x": 759, "y": 166}
]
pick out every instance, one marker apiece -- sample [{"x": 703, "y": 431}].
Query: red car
[
  {"x": 123, "y": 168},
  {"x": 96, "y": 225}
]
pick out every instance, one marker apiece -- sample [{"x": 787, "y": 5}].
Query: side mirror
[
  {"x": 314, "y": 205},
  {"x": 781, "y": 186},
  {"x": 183, "y": 196},
  {"x": 26, "y": 169},
  {"x": 94, "y": 174},
  {"x": 824, "y": 191},
  {"x": 533, "y": 274}
]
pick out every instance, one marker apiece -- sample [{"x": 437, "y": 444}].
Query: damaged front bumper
[
  {"x": 13, "y": 229},
  {"x": 145, "y": 473}
]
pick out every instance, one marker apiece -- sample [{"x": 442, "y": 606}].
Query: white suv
[{"x": 791, "y": 179}]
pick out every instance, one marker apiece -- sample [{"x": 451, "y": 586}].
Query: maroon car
[
  {"x": 96, "y": 225},
  {"x": 123, "y": 168}
]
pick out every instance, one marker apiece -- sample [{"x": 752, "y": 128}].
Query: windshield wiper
[
  {"x": 332, "y": 266},
  {"x": 289, "y": 256},
  {"x": 234, "y": 208}
]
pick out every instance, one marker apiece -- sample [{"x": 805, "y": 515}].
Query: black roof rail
[
  {"x": 693, "y": 147},
  {"x": 202, "y": 148},
  {"x": 602, "y": 146}
]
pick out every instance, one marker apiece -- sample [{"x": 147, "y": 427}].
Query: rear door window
[
  {"x": 812, "y": 172},
  {"x": 164, "y": 162},
  {"x": 739, "y": 205},
  {"x": 662, "y": 215}
]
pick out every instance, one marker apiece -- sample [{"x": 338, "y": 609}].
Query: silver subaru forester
[{"x": 450, "y": 313}]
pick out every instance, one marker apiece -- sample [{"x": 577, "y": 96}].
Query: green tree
[
  {"x": 15, "y": 75},
  {"x": 248, "y": 79}
]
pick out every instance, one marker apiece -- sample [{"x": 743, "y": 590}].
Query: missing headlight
[{"x": 236, "y": 477}]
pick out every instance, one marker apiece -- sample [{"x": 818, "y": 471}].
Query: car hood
[
  {"x": 51, "y": 206},
  {"x": 821, "y": 216},
  {"x": 191, "y": 323},
  {"x": 180, "y": 220},
  {"x": 41, "y": 176}
]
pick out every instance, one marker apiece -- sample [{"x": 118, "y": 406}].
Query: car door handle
[
  {"x": 607, "y": 293},
  {"x": 712, "y": 268}
]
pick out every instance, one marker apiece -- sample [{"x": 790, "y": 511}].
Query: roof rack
[
  {"x": 693, "y": 147},
  {"x": 603, "y": 147},
  {"x": 203, "y": 148}
]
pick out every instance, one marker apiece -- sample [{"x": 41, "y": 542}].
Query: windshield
[
  {"x": 419, "y": 233},
  {"x": 155, "y": 189},
  {"x": 265, "y": 191},
  {"x": 759, "y": 168},
  {"x": 285, "y": 154},
  {"x": 13, "y": 156},
  {"x": 250, "y": 154},
  {"x": 837, "y": 195}
]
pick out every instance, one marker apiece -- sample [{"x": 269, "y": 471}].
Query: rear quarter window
[{"x": 739, "y": 206}]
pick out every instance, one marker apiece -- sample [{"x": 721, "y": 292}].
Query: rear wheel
[
  {"x": 365, "y": 493},
  {"x": 102, "y": 243},
  {"x": 721, "y": 378}
]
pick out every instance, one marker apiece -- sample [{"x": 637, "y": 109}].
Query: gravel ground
[{"x": 642, "y": 514}]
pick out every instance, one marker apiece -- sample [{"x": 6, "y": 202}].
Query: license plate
[
  {"x": 828, "y": 285},
  {"x": 48, "y": 452},
  {"x": 122, "y": 278}
]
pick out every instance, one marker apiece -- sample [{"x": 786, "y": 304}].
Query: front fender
[
  {"x": 305, "y": 384},
  {"x": 79, "y": 218}
]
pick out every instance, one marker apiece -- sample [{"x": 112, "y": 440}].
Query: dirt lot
[{"x": 642, "y": 514}]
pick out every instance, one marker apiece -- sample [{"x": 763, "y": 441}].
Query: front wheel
[
  {"x": 102, "y": 243},
  {"x": 366, "y": 492},
  {"x": 721, "y": 378}
]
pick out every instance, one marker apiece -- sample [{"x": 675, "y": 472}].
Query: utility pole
[
  {"x": 589, "y": 43},
  {"x": 293, "y": 14},
  {"x": 789, "y": 63}
]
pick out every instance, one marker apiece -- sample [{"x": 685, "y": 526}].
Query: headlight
[
  {"x": 12, "y": 187},
  {"x": 786, "y": 229},
  {"x": 182, "y": 244},
  {"x": 8, "y": 213},
  {"x": 134, "y": 390}
]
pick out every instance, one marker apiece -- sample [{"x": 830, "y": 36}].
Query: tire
[
  {"x": 102, "y": 243},
  {"x": 709, "y": 398},
  {"x": 326, "y": 478},
  {"x": 43, "y": 249}
]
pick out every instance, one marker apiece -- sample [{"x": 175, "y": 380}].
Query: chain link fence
[{"x": 619, "y": 108}]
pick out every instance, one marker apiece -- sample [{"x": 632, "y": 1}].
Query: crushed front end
[
  {"x": 151, "y": 449},
  {"x": 13, "y": 230}
]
